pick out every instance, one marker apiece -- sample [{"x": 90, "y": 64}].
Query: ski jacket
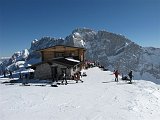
[
  {"x": 130, "y": 74},
  {"x": 116, "y": 73}
]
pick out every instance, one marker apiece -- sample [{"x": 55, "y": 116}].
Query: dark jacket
[
  {"x": 116, "y": 73},
  {"x": 130, "y": 74}
]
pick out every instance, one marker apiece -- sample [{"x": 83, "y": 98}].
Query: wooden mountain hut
[{"x": 58, "y": 59}]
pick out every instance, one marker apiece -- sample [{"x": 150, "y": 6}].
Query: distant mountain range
[{"x": 114, "y": 51}]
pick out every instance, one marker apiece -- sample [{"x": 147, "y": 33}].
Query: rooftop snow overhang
[{"x": 68, "y": 62}]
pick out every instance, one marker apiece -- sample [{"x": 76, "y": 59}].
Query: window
[{"x": 59, "y": 54}]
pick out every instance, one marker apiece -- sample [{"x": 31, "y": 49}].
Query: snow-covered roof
[{"x": 71, "y": 59}]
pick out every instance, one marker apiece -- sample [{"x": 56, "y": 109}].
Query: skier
[
  {"x": 64, "y": 78},
  {"x": 54, "y": 82},
  {"x": 116, "y": 73},
  {"x": 4, "y": 73},
  {"x": 80, "y": 74},
  {"x": 10, "y": 76},
  {"x": 26, "y": 78},
  {"x": 130, "y": 76},
  {"x": 77, "y": 77},
  {"x": 23, "y": 80},
  {"x": 20, "y": 75}
]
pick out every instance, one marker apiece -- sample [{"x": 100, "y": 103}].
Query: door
[{"x": 54, "y": 73}]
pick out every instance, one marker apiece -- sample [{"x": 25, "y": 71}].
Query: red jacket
[{"x": 116, "y": 73}]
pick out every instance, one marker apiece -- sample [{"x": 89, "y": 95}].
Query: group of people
[
  {"x": 130, "y": 74},
  {"x": 77, "y": 77},
  {"x": 5, "y": 72}
]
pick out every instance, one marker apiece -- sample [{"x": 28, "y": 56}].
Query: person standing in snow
[
  {"x": 80, "y": 74},
  {"x": 20, "y": 75},
  {"x": 64, "y": 78},
  {"x": 23, "y": 80},
  {"x": 26, "y": 78},
  {"x": 116, "y": 73},
  {"x": 130, "y": 76},
  {"x": 10, "y": 74},
  {"x": 4, "y": 73},
  {"x": 77, "y": 77}
]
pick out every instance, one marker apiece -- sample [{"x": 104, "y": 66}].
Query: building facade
[{"x": 58, "y": 59}]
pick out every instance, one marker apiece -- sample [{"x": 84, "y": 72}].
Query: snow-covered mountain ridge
[
  {"x": 3, "y": 59},
  {"x": 114, "y": 51},
  {"x": 16, "y": 61}
]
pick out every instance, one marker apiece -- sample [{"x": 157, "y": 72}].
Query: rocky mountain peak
[{"x": 82, "y": 30}]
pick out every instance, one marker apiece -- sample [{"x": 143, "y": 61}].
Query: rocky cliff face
[
  {"x": 112, "y": 50},
  {"x": 150, "y": 62}
]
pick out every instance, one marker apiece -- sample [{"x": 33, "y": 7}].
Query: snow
[
  {"x": 25, "y": 53},
  {"x": 34, "y": 41},
  {"x": 77, "y": 34},
  {"x": 13, "y": 66},
  {"x": 2, "y": 59},
  {"x": 27, "y": 70},
  {"x": 82, "y": 42},
  {"x": 73, "y": 60},
  {"x": 97, "y": 98},
  {"x": 78, "y": 37}
]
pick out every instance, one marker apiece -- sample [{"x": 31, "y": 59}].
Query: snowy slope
[{"x": 98, "y": 98}]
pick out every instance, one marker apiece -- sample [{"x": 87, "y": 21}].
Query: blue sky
[{"x": 22, "y": 21}]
